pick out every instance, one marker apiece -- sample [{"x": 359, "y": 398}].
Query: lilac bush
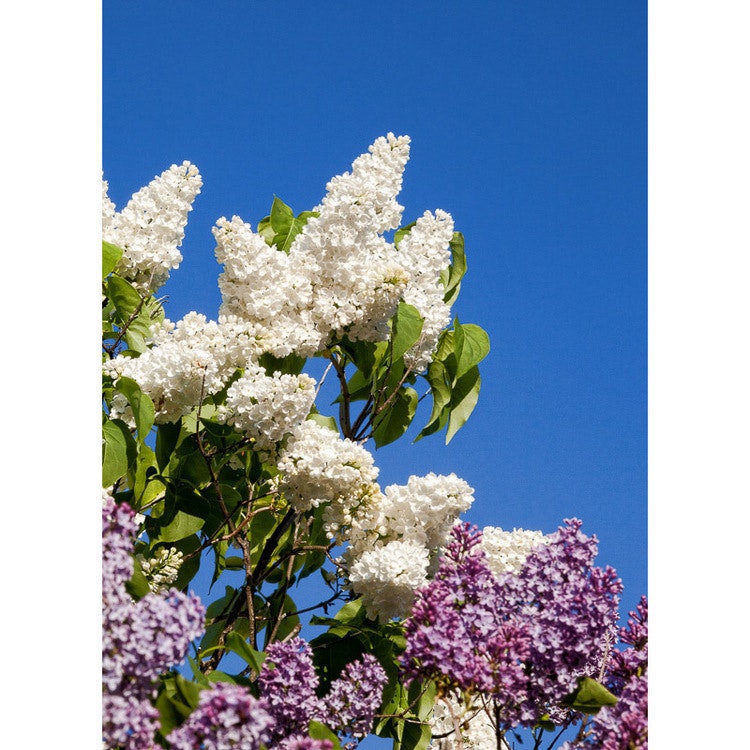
[
  {"x": 211, "y": 430},
  {"x": 522, "y": 640}
]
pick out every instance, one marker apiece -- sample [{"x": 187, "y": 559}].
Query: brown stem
[{"x": 344, "y": 406}]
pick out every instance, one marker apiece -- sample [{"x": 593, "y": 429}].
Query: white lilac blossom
[
  {"x": 317, "y": 466},
  {"x": 340, "y": 275},
  {"x": 265, "y": 407},
  {"x": 187, "y": 362},
  {"x": 396, "y": 536},
  {"x": 133, "y": 656},
  {"x": 387, "y": 576},
  {"x": 162, "y": 569},
  {"x": 425, "y": 509},
  {"x": 425, "y": 252},
  {"x": 506, "y": 551},
  {"x": 354, "y": 267},
  {"x": 263, "y": 290},
  {"x": 150, "y": 228},
  {"x": 475, "y": 730}
]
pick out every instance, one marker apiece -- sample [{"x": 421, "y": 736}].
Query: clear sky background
[{"x": 528, "y": 124}]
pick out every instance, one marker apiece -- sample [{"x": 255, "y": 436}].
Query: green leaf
[
  {"x": 320, "y": 731},
  {"x": 265, "y": 230},
  {"x": 187, "y": 690},
  {"x": 397, "y": 417},
  {"x": 171, "y": 713},
  {"x": 422, "y": 698},
  {"x": 167, "y": 436},
  {"x": 110, "y": 255},
  {"x": 415, "y": 736},
  {"x": 292, "y": 364},
  {"x": 176, "y": 701},
  {"x": 589, "y": 696},
  {"x": 457, "y": 269},
  {"x": 436, "y": 376},
  {"x": 282, "y": 216},
  {"x": 124, "y": 297},
  {"x": 238, "y": 645},
  {"x": 285, "y": 225},
  {"x": 472, "y": 345},
  {"x": 463, "y": 400},
  {"x": 118, "y": 451},
  {"x": 140, "y": 403},
  {"x": 146, "y": 482},
  {"x": 351, "y": 612},
  {"x": 137, "y": 586},
  {"x": 366, "y": 355},
  {"x": 181, "y": 526},
  {"x": 407, "y": 328},
  {"x": 359, "y": 387},
  {"x": 323, "y": 421},
  {"x": 191, "y": 565},
  {"x": 261, "y": 528}
]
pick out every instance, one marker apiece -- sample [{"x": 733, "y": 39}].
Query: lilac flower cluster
[
  {"x": 287, "y": 682},
  {"x": 288, "y": 685},
  {"x": 308, "y": 743},
  {"x": 624, "y": 726},
  {"x": 521, "y": 639},
  {"x": 140, "y": 640},
  {"x": 226, "y": 716},
  {"x": 354, "y": 697}
]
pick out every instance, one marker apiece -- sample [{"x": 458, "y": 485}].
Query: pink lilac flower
[
  {"x": 308, "y": 743},
  {"x": 624, "y": 726},
  {"x": 140, "y": 640},
  {"x": 227, "y": 716},
  {"x": 354, "y": 698},
  {"x": 569, "y": 606},
  {"x": 128, "y": 721},
  {"x": 521, "y": 639},
  {"x": 287, "y": 682}
]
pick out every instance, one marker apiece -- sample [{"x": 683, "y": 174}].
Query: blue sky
[{"x": 528, "y": 124}]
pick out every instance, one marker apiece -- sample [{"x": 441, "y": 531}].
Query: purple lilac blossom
[
  {"x": 308, "y": 743},
  {"x": 354, "y": 698},
  {"x": 227, "y": 716},
  {"x": 128, "y": 721},
  {"x": 288, "y": 681},
  {"x": 624, "y": 726},
  {"x": 454, "y": 617},
  {"x": 520, "y": 639},
  {"x": 118, "y": 529},
  {"x": 140, "y": 640},
  {"x": 570, "y": 606}
]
